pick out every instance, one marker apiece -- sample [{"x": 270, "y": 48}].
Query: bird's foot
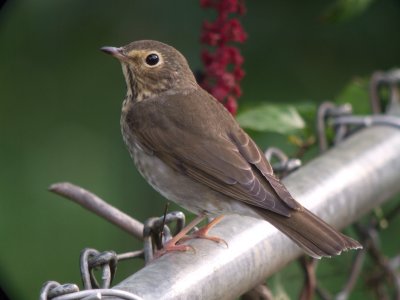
[
  {"x": 175, "y": 243},
  {"x": 202, "y": 233},
  {"x": 171, "y": 246}
]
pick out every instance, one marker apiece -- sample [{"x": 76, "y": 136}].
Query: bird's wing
[{"x": 214, "y": 151}]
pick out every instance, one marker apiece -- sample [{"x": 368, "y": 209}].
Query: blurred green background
[{"x": 60, "y": 100}]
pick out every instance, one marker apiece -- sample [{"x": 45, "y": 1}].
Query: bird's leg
[
  {"x": 202, "y": 233},
  {"x": 171, "y": 245},
  {"x": 182, "y": 236}
]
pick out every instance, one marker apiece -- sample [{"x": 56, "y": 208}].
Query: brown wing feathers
[{"x": 228, "y": 162}]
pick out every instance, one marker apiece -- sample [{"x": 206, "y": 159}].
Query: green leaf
[
  {"x": 283, "y": 119},
  {"x": 307, "y": 110},
  {"x": 356, "y": 92},
  {"x": 344, "y": 10}
]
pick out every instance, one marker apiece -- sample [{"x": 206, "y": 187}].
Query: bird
[{"x": 192, "y": 151}]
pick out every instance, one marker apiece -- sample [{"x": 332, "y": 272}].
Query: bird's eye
[{"x": 152, "y": 59}]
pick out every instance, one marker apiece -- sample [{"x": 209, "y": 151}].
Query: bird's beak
[{"x": 116, "y": 52}]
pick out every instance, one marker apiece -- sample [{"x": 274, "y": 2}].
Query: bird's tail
[{"x": 310, "y": 233}]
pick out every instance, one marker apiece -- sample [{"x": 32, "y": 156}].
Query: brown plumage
[{"x": 191, "y": 150}]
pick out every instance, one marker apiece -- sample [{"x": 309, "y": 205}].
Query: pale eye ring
[{"x": 152, "y": 59}]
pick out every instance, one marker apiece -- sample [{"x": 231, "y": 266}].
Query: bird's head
[{"x": 152, "y": 67}]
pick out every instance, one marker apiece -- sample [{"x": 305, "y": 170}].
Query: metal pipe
[{"x": 339, "y": 186}]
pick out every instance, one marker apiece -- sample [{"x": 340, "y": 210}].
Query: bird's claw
[
  {"x": 172, "y": 247},
  {"x": 202, "y": 233}
]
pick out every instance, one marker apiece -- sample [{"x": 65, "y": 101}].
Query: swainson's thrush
[{"x": 192, "y": 151}]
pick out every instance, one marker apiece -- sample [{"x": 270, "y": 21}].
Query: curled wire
[
  {"x": 380, "y": 80},
  {"x": 99, "y": 294},
  {"x": 367, "y": 121},
  {"x": 342, "y": 123},
  {"x": 153, "y": 227},
  {"x": 285, "y": 164},
  {"x": 51, "y": 289},
  {"x": 55, "y": 291},
  {"x": 326, "y": 111}
]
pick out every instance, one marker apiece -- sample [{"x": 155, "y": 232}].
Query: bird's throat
[
  {"x": 131, "y": 85},
  {"x": 137, "y": 89}
]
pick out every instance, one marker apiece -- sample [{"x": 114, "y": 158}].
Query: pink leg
[
  {"x": 171, "y": 245},
  {"x": 202, "y": 233}
]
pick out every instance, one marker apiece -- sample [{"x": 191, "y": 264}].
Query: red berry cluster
[{"x": 223, "y": 66}]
